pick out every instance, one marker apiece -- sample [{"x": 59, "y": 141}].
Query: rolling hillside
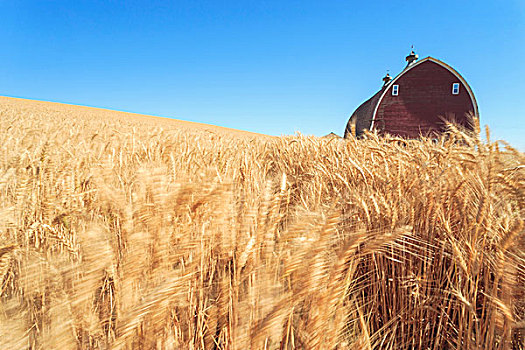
[{"x": 57, "y": 111}]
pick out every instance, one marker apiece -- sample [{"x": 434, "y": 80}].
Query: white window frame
[
  {"x": 455, "y": 89},
  {"x": 395, "y": 90}
]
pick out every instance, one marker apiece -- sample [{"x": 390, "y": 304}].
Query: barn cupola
[
  {"x": 411, "y": 58},
  {"x": 386, "y": 79}
]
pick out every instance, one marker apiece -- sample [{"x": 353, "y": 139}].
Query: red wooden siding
[{"x": 425, "y": 96}]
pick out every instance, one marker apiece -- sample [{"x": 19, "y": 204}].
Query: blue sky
[{"x": 273, "y": 67}]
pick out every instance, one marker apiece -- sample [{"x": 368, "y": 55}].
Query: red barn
[{"x": 417, "y": 101}]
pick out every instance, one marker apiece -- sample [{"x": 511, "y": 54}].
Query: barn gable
[{"x": 416, "y": 101}]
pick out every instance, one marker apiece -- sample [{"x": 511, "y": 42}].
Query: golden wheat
[{"x": 123, "y": 231}]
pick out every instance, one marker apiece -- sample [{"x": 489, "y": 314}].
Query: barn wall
[{"x": 425, "y": 95}]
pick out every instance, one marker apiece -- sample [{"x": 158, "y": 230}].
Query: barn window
[
  {"x": 455, "y": 89},
  {"x": 395, "y": 90}
]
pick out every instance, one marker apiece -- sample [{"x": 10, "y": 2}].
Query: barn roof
[
  {"x": 363, "y": 117},
  {"x": 331, "y": 135}
]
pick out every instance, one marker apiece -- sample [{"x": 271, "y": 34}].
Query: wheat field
[{"x": 120, "y": 231}]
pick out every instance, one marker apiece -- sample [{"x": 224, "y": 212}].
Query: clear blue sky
[{"x": 272, "y": 67}]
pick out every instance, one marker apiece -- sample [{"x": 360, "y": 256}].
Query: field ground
[{"x": 125, "y": 231}]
